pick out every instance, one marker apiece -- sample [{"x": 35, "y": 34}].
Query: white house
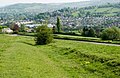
[
  {"x": 50, "y": 25},
  {"x": 7, "y": 30}
]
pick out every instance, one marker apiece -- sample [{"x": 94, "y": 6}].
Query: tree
[
  {"x": 88, "y": 14},
  {"x": 91, "y": 32},
  {"x": 22, "y": 28},
  {"x": 15, "y": 28},
  {"x": 58, "y": 25},
  {"x": 53, "y": 29},
  {"x": 88, "y": 32},
  {"x": 43, "y": 35},
  {"x": 112, "y": 33}
]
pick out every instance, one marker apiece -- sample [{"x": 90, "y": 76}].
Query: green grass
[
  {"x": 115, "y": 10},
  {"x": 75, "y": 14},
  {"x": 76, "y": 37},
  {"x": 21, "y": 58},
  {"x": 110, "y": 11},
  {"x": 90, "y": 10},
  {"x": 103, "y": 9},
  {"x": 88, "y": 39}
]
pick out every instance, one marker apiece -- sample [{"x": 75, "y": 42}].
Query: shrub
[
  {"x": 15, "y": 28},
  {"x": 88, "y": 32},
  {"x": 22, "y": 28},
  {"x": 43, "y": 35},
  {"x": 112, "y": 33}
]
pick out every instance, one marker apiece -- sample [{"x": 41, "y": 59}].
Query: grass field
[
  {"x": 21, "y": 58},
  {"x": 76, "y": 37},
  {"x": 88, "y": 39},
  {"x": 109, "y": 11}
]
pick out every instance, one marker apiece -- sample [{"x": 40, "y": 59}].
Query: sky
[{"x": 9, "y": 2}]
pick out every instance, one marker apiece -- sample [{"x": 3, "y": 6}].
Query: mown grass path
[{"x": 22, "y": 60}]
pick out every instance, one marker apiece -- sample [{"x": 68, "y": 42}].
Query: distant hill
[
  {"x": 102, "y": 15},
  {"x": 36, "y": 8},
  {"x": 91, "y": 11}
]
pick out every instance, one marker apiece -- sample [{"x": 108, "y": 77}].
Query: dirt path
[
  {"x": 14, "y": 35},
  {"x": 100, "y": 43},
  {"x": 95, "y": 43}
]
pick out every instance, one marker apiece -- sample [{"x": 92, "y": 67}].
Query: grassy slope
[
  {"x": 110, "y": 10},
  {"x": 20, "y": 58}
]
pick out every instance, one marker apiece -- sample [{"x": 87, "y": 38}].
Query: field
[
  {"x": 21, "y": 58},
  {"x": 77, "y": 37},
  {"x": 108, "y": 11},
  {"x": 88, "y": 39}
]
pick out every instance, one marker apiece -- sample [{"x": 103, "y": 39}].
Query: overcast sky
[{"x": 8, "y": 2}]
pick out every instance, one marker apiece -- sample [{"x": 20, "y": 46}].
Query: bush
[
  {"x": 22, "y": 28},
  {"x": 43, "y": 35},
  {"x": 88, "y": 32},
  {"x": 15, "y": 28},
  {"x": 112, "y": 33}
]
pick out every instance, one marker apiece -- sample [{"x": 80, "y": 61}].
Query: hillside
[
  {"x": 40, "y": 8},
  {"x": 60, "y": 59},
  {"x": 73, "y": 18},
  {"x": 103, "y": 10},
  {"x": 95, "y": 11},
  {"x": 30, "y": 11}
]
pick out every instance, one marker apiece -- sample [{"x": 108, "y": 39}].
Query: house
[
  {"x": 7, "y": 30},
  {"x": 50, "y": 25}
]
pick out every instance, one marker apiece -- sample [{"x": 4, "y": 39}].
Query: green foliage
[
  {"x": 22, "y": 28},
  {"x": 88, "y": 32},
  {"x": 1, "y": 27},
  {"x": 53, "y": 29},
  {"x": 91, "y": 32},
  {"x": 15, "y": 28},
  {"x": 58, "y": 25},
  {"x": 43, "y": 15},
  {"x": 112, "y": 33},
  {"x": 43, "y": 35}
]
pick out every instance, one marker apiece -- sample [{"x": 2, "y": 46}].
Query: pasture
[{"x": 21, "y": 58}]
